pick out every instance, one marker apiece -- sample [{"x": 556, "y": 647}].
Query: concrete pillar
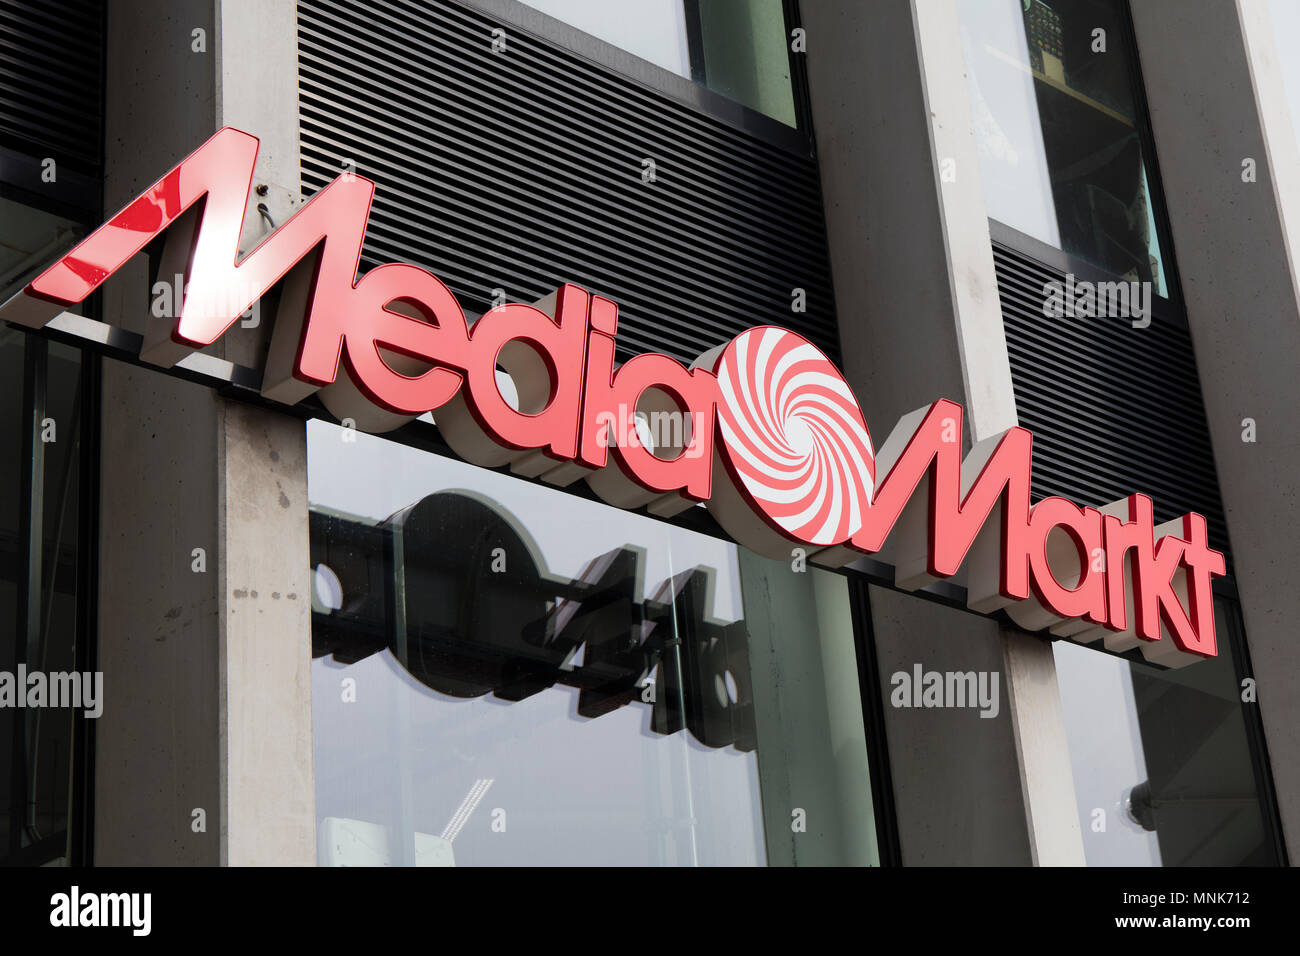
[
  {"x": 157, "y": 761},
  {"x": 207, "y": 673},
  {"x": 957, "y": 791},
  {"x": 266, "y": 745},
  {"x": 1217, "y": 99},
  {"x": 1038, "y": 726},
  {"x": 920, "y": 319}
]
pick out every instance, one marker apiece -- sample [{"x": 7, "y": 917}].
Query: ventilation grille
[
  {"x": 523, "y": 169},
  {"x": 51, "y": 79},
  {"x": 1114, "y": 409}
]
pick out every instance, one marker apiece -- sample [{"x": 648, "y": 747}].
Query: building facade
[{"x": 313, "y": 626}]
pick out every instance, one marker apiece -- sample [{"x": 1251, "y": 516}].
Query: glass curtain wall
[
  {"x": 1167, "y": 771},
  {"x": 1054, "y": 102},
  {"x": 509, "y": 674},
  {"x": 43, "y": 642},
  {"x": 739, "y": 48}
]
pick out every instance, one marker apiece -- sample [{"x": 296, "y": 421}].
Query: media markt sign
[{"x": 774, "y": 441}]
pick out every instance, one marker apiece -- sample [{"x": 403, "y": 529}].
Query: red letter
[
  {"x": 665, "y": 390},
  {"x": 544, "y": 359},
  {"x": 928, "y": 479},
  {"x": 414, "y": 317},
  {"x": 1203, "y": 564},
  {"x": 1070, "y": 593},
  {"x": 203, "y": 246}
]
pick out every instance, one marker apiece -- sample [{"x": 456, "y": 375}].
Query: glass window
[
  {"x": 509, "y": 674},
  {"x": 29, "y": 240},
  {"x": 44, "y": 563},
  {"x": 1054, "y": 107},
  {"x": 1164, "y": 770},
  {"x": 40, "y": 558},
  {"x": 1286, "y": 35},
  {"x": 738, "y": 48}
]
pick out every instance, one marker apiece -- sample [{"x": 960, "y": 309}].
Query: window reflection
[
  {"x": 484, "y": 615},
  {"x": 29, "y": 240},
  {"x": 736, "y": 47},
  {"x": 654, "y": 30},
  {"x": 1054, "y": 110},
  {"x": 1163, "y": 767},
  {"x": 1285, "y": 18},
  {"x": 40, "y": 522},
  {"x": 40, "y": 527},
  {"x": 508, "y": 674}
]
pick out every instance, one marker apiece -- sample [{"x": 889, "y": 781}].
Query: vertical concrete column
[
  {"x": 1217, "y": 99},
  {"x": 920, "y": 319},
  {"x": 268, "y": 787},
  {"x": 268, "y": 806},
  {"x": 1046, "y": 775},
  {"x": 204, "y": 752},
  {"x": 157, "y": 765}
]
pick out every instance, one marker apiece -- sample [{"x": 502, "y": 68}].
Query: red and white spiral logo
[{"x": 793, "y": 438}]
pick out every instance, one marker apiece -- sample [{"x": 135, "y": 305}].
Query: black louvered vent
[
  {"x": 51, "y": 79},
  {"x": 1114, "y": 409},
  {"x": 523, "y": 169}
]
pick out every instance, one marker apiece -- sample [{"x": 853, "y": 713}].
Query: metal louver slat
[
  {"x": 51, "y": 79},
  {"x": 522, "y": 170},
  {"x": 1114, "y": 409}
]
